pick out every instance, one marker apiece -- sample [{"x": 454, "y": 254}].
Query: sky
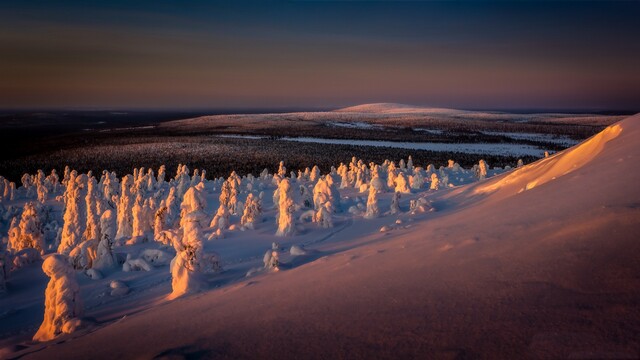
[{"x": 319, "y": 54}]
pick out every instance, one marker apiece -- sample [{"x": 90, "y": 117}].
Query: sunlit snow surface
[{"x": 540, "y": 261}]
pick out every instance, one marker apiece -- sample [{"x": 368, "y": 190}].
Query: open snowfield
[{"x": 540, "y": 262}]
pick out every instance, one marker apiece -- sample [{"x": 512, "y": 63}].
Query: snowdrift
[{"x": 541, "y": 263}]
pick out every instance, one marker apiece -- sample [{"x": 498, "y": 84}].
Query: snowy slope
[
  {"x": 391, "y": 108},
  {"x": 541, "y": 262}
]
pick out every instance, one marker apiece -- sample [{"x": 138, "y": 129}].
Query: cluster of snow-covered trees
[{"x": 96, "y": 215}]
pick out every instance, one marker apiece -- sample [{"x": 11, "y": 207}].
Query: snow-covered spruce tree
[
  {"x": 162, "y": 175},
  {"x": 193, "y": 201},
  {"x": 343, "y": 171},
  {"x": 322, "y": 216},
  {"x": 325, "y": 191},
  {"x": 315, "y": 173},
  {"x": 75, "y": 214},
  {"x": 482, "y": 170},
  {"x": 109, "y": 184},
  {"x": 282, "y": 170},
  {"x": 141, "y": 219},
  {"x": 125, "y": 208},
  {"x": 306, "y": 198},
  {"x": 285, "y": 209},
  {"x": 372, "y": 204},
  {"x": 173, "y": 208},
  {"x": 160, "y": 221},
  {"x": 520, "y": 163},
  {"x": 42, "y": 191},
  {"x": 186, "y": 266},
  {"x": 221, "y": 220},
  {"x": 395, "y": 203},
  {"x": 93, "y": 198},
  {"x": 417, "y": 179},
  {"x": 402, "y": 185},
  {"x": 28, "y": 233},
  {"x": 104, "y": 256},
  {"x": 182, "y": 180},
  {"x": 271, "y": 260},
  {"x": 410, "y": 164},
  {"x": 435, "y": 183},
  {"x": 252, "y": 212},
  {"x": 392, "y": 172},
  {"x": 229, "y": 193},
  {"x": 62, "y": 304}
]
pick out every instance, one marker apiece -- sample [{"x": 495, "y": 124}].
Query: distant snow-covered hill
[{"x": 392, "y": 108}]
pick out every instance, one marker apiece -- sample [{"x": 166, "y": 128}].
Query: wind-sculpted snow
[
  {"x": 390, "y": 260},
  {"x": 556, "y": 166}
]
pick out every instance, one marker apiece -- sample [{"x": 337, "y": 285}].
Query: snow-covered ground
[
  {"x": 468, "y": 148},
  {"x": 540, "y": 261},
  {"x": 548, "y": 138}
]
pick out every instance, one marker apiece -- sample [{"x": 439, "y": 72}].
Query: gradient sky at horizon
[{"x": 203, "y": 54}]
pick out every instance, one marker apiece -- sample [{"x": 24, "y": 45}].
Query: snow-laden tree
[
  {"x": 92, "y": 200},
  {"x": 520, "y": 163},
  {"x": 306, "y": 198},
  {"x": 28, "y": 233},
  {"x": 322, "y": 216},
  {"x": 143, "y": 217},
  {"x": 110, "y": 190},
  {"x": 417, "y": 179},
  {"x": 285, "y": 209},
  {"x": 325, "y": 191},
  {"x": 435, "y": 183},
  {"x": 173, "y": 208},
  {"x": 193, "y": 201},
  {"x": 75, "y": 214},
  {"x": 395, "y": 203},
  {"x": 221, "y": 220},
  {"x": 372, "y": 204},
  {"x": 62, "y": 304},
  {"x": 482, "y": 170},
  {"x": 410, "y": 163},
  {"x": 125, "y": 208},
  {"x": 252, "y": 212},
  {"x": 282, "y": 170},
  {"x": 160, "y": 223},
  {"x": 315, "y": 173},
  {"x": 402, "y": 185},
  {"x": 271, "y": 260},
  {"x": 392, "y": 172},
  {"x": 186, "y": 267},
  {"x": 162, "y": 175},
  {"x": 229, "y": 193},
  {"x": 104, "y": 256}
]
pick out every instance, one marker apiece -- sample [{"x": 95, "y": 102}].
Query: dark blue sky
[{"x": 197, "y": 54}]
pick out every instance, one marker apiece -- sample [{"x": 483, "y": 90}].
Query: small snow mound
[
  {"x": 156, "y": 257},
  {"x": 385, "y": 228},
  {"x": 297, "y": 250},
  {"x": 93, "y": 274},
  {"x": 118, "y": 288}
]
